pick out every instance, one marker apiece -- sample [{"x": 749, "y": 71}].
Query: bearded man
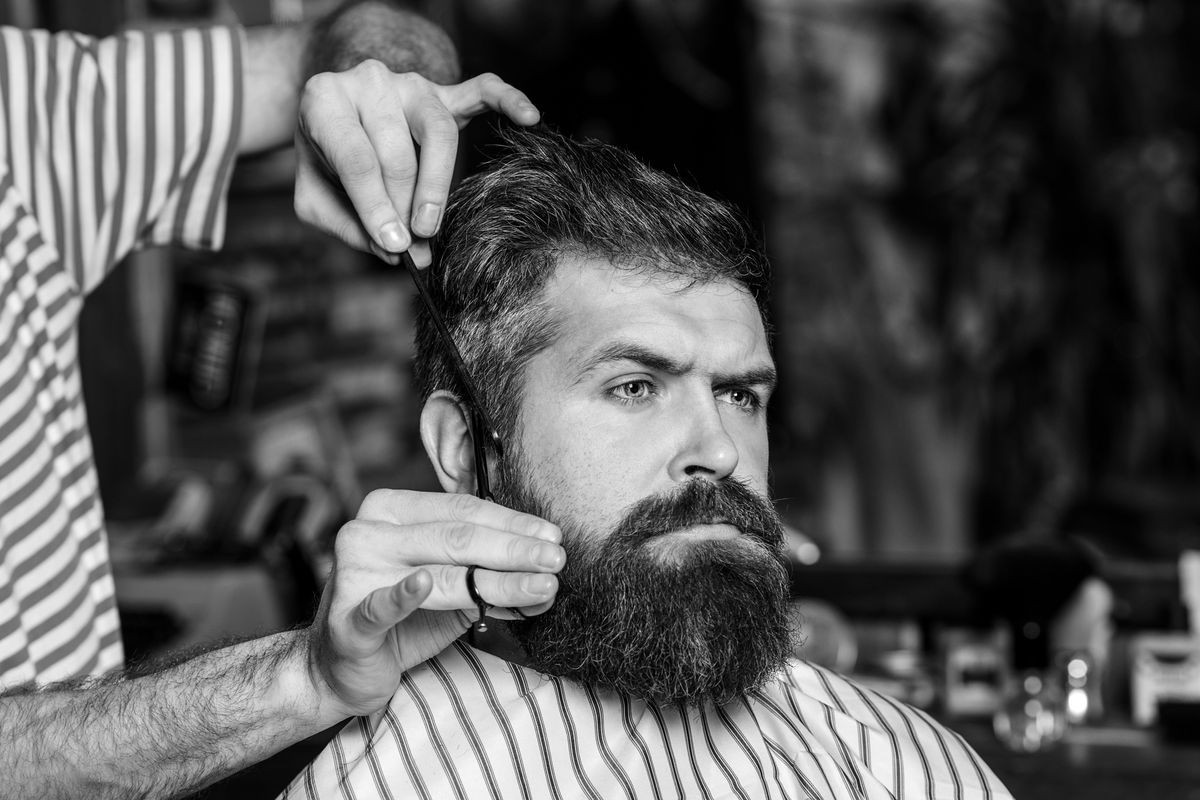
[{"x": 614, "y": 322}]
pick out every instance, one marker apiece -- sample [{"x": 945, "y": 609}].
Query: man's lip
[{"x": 707, "y": 530}]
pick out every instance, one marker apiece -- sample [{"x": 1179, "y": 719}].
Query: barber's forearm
[
  {"x": 272, "y": 74},
  {"x": 164, "y": 734},
  {"x": 279, "y": 58}
]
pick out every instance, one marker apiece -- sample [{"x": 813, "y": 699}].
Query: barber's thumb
[{"x": 385, "y": 607}]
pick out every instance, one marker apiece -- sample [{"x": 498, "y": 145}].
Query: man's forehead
[{"x": 598, "y": 307}]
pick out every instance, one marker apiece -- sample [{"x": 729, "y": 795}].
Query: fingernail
[
  {"x": 540, "y": 585},
  {"x": 547, "y": 555},
  {"x": 393, "y": 237},
  {"x": 548, "y": 533},
  {"x": 426, "y": 222}
]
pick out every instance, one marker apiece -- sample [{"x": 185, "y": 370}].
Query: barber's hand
[
  {"x": 397, "y": 594},
  {"x": 359, "y": 176}
]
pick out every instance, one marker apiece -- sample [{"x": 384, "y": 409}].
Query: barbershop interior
[{"x": 985, "y": 439}]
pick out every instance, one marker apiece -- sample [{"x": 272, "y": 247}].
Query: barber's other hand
[
  {"x": 359, "y": 176},
  {"x": 397, "y": 594}
]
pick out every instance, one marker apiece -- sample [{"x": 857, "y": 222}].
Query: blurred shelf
[{"x": 1145, "y": 593}]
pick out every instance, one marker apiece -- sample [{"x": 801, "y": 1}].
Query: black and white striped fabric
[
  {"x": 107, "y": 145},
  {"x": 469, "y": 725}
]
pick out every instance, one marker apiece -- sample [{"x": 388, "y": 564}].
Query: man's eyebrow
[
  {"x": 632, "y": 351},
  {"x": 766, "y": 377},
  {"x": 661, "y": 362}
]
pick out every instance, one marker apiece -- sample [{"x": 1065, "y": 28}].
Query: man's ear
[{"x": 446, "y": 434}]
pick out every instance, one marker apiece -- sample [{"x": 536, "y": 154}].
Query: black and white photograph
[{"x": 599, "y": 399}]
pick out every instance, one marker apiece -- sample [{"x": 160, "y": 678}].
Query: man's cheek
[{"x": 754, "y": 457}]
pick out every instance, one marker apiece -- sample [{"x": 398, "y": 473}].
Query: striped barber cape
[
  {"x": 107, "y": 145},
  {"x": 469, "y": 725}
]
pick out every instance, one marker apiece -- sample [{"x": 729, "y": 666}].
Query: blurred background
[{"x": 982, "y": 217}]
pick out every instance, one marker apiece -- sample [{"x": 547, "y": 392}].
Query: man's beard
[{"x": 686, "y": 623}]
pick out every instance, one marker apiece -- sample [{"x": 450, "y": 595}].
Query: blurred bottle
[
  {"x": 1080, "y": 638},
  {"x": 1028, "y": 583},
  {"x": 1082, "y": 685},
  {"x": 1033, "y": 711},
  {"x": 1033, "y": 708}
]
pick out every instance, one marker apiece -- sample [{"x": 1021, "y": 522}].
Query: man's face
[
  {"x": 643, "y": 435},
  {"x": 648, "y": 385}
]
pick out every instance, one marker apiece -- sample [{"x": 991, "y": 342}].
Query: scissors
[{"x": 483, "y": 430}]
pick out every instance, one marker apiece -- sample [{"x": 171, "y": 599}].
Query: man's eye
[
  {"x": 742, "y": 398},
  {"x": 633, "y": 391}
]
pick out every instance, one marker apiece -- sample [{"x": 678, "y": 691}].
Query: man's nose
[{"x": 706, "y": 449}]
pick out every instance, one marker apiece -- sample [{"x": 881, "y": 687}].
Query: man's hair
[{"x": 542, "y": 197}]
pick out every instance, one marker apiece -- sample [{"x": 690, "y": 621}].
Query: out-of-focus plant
[{"x": 1051, "y": 157}]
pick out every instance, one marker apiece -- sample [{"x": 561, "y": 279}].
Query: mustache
[{"x": 702, "y": 502}]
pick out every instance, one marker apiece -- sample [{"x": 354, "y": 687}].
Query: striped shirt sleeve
[{"x": 123, "y": 142}]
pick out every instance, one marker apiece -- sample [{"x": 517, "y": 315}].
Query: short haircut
[{"x": 544, "y": 196}]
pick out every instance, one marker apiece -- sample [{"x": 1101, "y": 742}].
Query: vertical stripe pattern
[
  {"x": 104, "y": 151},
  {"x": 810, "y": 733}
]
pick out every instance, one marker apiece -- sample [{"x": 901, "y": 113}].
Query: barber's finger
[
  {"x": 495, "y": 588},
  {"x": 437, "y": 132},
  {"x": 322, "y": 204},
  {"x": 403, "y": 507},
  {"x": 349, "y": 152},
  {"x": 520, "y": 612},
  {"x": 388, "y": 129},
  {"x": 451, "y": 543},
  {"x": 382, "y": 255},
  {"x": 421, "y": 253},
  {"x": 384, "y": 608},
  {"x": 488, "y": 92}
]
